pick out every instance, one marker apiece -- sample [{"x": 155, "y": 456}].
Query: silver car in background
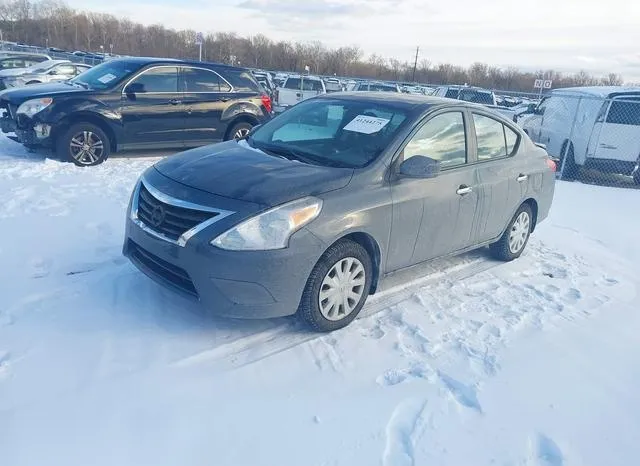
[{"x": 46, "y": 72}]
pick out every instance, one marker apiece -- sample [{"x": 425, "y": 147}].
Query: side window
[
  {"x": 441, "y": 138},
  {"x": 624, "y": 112},
  {"x": 159, "y": 79},
  {"x": 490, "y": 137},
  {"x": 200, "y": 80},
  {"x": 511, "y": 137},
  {"x": 65, "y": 69}
]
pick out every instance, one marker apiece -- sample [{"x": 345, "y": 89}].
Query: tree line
[{"x": 52, "y": 23}]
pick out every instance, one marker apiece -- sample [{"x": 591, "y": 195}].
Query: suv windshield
[
  {"x": 476, "y": 96},
  {"x": 106, "y": 74},
  {"x": 305, "y": 84},
  {"x": 331, "y": 132}
]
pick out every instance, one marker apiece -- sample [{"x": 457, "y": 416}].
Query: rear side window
[
  {"x": 511, "y": 138},
  {"x": 490, "y": 136},
  {"x": 241, "y": 80},
  {"x": 201, "y": 80},
  {"x": 452, "y": 93},
  {"x": 624, "y": 112}
]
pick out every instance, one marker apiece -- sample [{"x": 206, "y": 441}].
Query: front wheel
[
  {"x": 337, "y": 288},
  {"x": 84, "y": 144},
  {"x": 515, "y": 238}
]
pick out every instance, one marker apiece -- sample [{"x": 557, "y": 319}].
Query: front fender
[{"x": 82, "y": 108}]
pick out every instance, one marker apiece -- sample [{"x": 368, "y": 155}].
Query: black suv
[{"x": 135, "y": 103}]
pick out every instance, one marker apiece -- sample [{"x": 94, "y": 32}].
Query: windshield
[
  {"x": 475, "y": 96},
  {"x": 331, "y": 132},
  {"x": 39, "y": 67},
  {"x": 305, "y": 84},
  {"x": 106, "y": 74}
]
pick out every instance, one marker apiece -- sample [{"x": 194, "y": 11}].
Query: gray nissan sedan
[{"x": 310, "y": 211}]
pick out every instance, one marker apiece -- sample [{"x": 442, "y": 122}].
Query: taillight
[
  {"x": 266, "y": 101},
  {"x": 552, "y": 165}
]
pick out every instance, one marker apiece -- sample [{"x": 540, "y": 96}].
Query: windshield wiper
[
  {"x": 81, "y": 84},
  {"x": 293, "y": 154}
]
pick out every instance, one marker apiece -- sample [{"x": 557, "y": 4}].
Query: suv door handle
[
  {"x": 225, "y": 99},
  {"x": 463, "y": 189},
  {"x": 522, "y": 177},
  {"x": 175, "y": 101}
]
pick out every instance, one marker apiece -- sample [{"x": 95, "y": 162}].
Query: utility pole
[{"x": 415, "y": 64}]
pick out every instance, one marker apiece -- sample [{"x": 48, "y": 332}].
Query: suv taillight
[{"x": 266, "y": 101}]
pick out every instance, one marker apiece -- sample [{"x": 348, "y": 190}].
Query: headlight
[
  {"x": 271, "y": 229},
  {"x": 31, "y": 107}
]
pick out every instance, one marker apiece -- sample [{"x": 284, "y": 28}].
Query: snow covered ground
[{"x": 465, "y": 361}]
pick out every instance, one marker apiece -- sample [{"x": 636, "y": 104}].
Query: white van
[{"x": 597, "y": 127}]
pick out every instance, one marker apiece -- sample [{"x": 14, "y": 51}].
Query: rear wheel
[
  {"x": 515, "y": 238},
  {"x": 84, "y": 144},
  {"x": 568, "y": 168},
  {"x": 337, "y": 287},
  {"x": 240, "y": 130}
]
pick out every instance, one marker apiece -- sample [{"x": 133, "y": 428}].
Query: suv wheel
[
  {"x": 84, "y": 144},
  {"x": 240, "y": 130},
  {"x": 515, "y": 238},
  {"x": 337, "y": 287}
]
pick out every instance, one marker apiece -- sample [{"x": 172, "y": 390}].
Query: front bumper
[
  {"x": 240, "y": 284},
  {"x": 27, "y": 131}
]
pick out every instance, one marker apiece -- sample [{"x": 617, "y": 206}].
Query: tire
[
  {"x": 502, "y": 249},
  {"x": 347, "y": 256},
  {"x": 570, "y": 172},
  {"x": 239, "y": 130},
  {"x": 71, "y": 146}
]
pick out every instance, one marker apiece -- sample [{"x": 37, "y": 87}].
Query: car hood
[
  {"x": 235, "y": 170},
  {"x": 12, "y": 72},
  {"x": 22, "y": 94}
]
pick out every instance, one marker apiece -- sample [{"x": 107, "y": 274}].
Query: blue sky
[{"x": 568, "y": 35}]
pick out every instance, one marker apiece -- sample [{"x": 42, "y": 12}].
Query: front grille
[
  {"x": 167, "y": 219},
  {"x": 162, "y": 270}
]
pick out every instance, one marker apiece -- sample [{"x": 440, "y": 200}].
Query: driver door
[{"x": 435, "y": 216}]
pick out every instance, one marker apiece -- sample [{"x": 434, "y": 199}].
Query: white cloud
[{"x": 567, "y": 35}]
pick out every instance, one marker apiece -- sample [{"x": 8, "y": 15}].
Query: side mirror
[
  {"x": 420, "y": 166},
  {"x": 134, "y": 88}
]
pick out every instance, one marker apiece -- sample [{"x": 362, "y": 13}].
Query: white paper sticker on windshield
[
  {"x": 366, "y": 124},
  {"x": 107, "y": 78}
]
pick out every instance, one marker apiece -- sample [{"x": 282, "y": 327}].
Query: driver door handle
[
  {"x": 463, "y": 189},
  {"x": 175, "y": 101},
  {"x": 522, "y": 177}
]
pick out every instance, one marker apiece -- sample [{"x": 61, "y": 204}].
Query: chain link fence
[{"x": 594, "y": 132}]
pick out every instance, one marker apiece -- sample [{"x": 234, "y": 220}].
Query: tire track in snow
[{"x": 255, "y": 347}]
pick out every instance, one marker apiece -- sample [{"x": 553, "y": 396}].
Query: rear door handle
[
  {"x": 522, "y": 177},
  {"x": 175, "y": 101},
  {"x": 464, "y": 189}
]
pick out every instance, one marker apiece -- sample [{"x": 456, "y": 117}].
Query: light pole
[{"x": 111, "y": 49}]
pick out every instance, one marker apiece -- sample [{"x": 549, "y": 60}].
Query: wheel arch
[
  {"x": 533, "y": 205},
  {"x": 369, "y": 243},
  {"x": 75, "y": 118},
  {"x": 244, "y": 118}
]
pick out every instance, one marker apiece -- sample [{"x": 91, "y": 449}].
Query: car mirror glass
[{"x": 420, "y": 166}]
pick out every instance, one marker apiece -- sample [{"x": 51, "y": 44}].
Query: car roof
[
  {"x": 408, "y": 100},
  {"x": 170, "y": 61},
  {"x": 598, "y": 91}
]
